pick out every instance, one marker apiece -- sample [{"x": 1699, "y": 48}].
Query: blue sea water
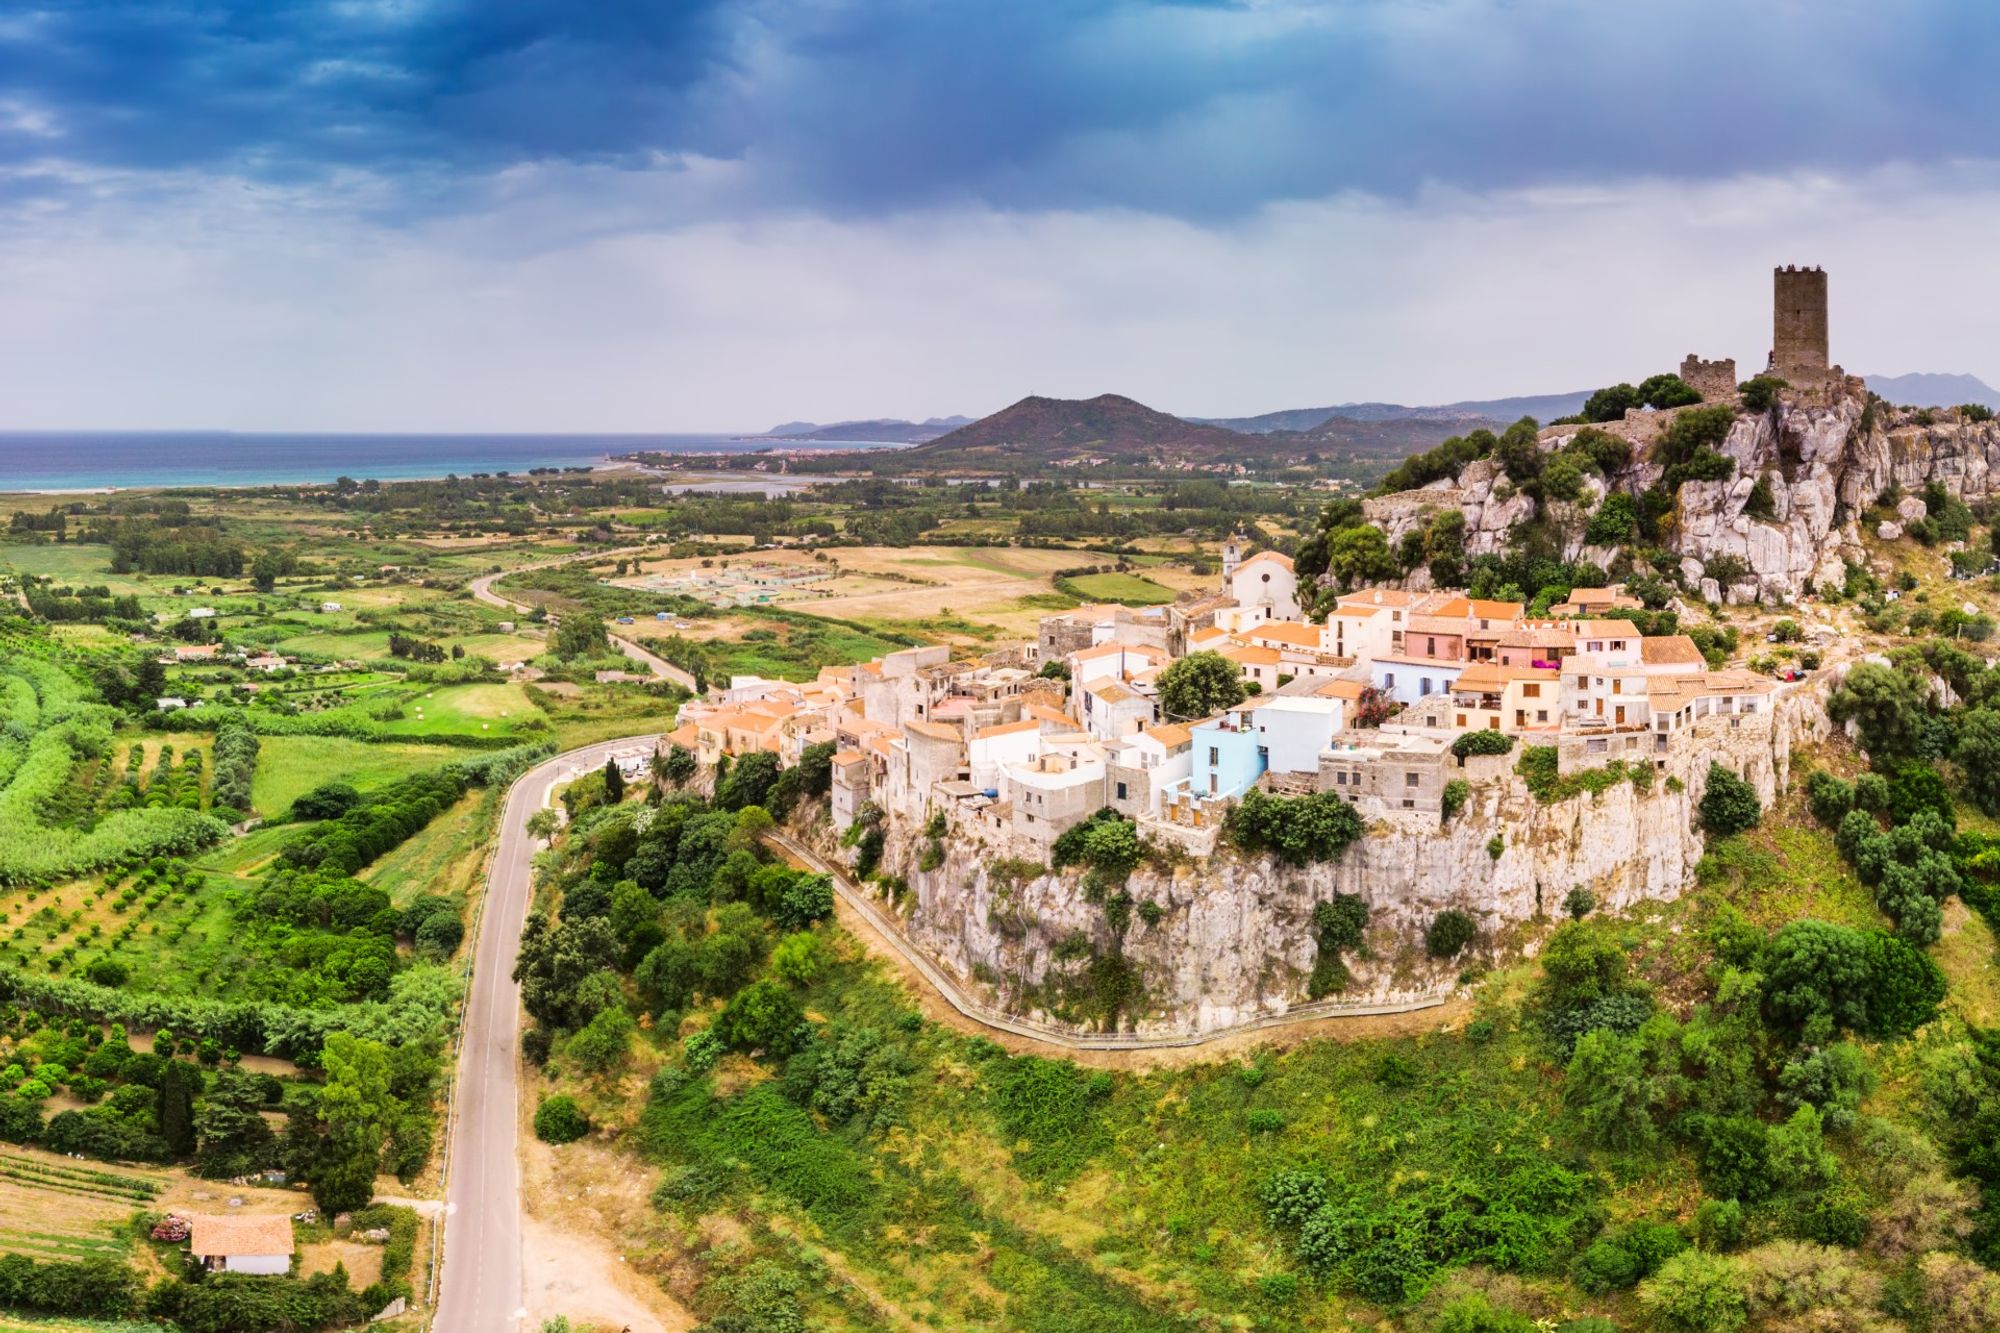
[{"x": 89, "y": 460}]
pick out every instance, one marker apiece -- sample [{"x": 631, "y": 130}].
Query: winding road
[
  {"x": 481, "y": 1288},
  {"x": 481, "y": 589}
]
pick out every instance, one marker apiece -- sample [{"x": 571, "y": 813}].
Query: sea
[{"x": 59, "y": 461}]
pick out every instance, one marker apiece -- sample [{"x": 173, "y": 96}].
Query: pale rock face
[
  {"x": 1910, "y": 509},
  {"x": 1888, "y": 531},
  {"x": 1825, "y": 458},
  {"x": 1235, "y": 941}
]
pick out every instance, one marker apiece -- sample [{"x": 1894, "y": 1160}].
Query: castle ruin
[
  {"x": 1713, "y": 380},
  {"x": 1798, "y": 325}
]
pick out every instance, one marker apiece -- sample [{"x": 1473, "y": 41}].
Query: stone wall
[{"x": 1715, "y": 381}]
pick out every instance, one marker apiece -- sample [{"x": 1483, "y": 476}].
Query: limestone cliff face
[
  {"x": 1234, "y": 941},
  {"x": 1825, "y": 457}
]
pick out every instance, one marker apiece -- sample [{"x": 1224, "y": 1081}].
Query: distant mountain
[
  {"x": 1924, "y": 390},
  {"x": 1110, "y": 426},
  {"x": 1386, "y": 437},
  {"x": 1542, "y": 407},
  {"x": 885, "y": 430}
]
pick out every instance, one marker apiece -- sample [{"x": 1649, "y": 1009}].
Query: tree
[
  {"x": 749, "y": 781},
  {"x": 357, "y": 1108},
  {"x": 614, "y": 782},
  {"x": 1358, "y": 556},
  {"x": 1484, "y": 741},
  {"x": 1299, "y": 829},
  {"x": 1199, "y": 685},
  {"x": 764, "y": 1016},
  {"x": 604, "y": 1042},
  {"x": 1609, "y": 1091},
  {"x": 1978, "y": 757},
  {"x": 176, "y": 1107},
  {"x": 1887, "y": 709},
  {"x": 558, "y": 1119},
  {"x": 543, "y": 823},
  {"x": 554, "y": 962},
  {"x": 580, "y": 635},
  {"x": 265, "y": 569},
  {"x": 1729, "y": 805},
  {"x": 680, "y": 765}
]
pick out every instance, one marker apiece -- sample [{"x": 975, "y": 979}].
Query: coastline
[{"x": 114, "y": 476}]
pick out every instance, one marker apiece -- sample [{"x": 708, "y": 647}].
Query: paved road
[
  {"x": 1049, "y": 1033},
  {"x": 482, "y": 590},
  {"x": 481, "y": 1290}
]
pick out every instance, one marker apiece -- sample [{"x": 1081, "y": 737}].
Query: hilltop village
[{"x": 1372, "y": 704}]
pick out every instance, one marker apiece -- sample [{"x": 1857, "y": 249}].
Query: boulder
[
  {"x": 1910, "y": 509},
  {"x": 1888, "y": 531}
]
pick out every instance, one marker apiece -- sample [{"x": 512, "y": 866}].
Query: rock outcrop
[
  {"x": 1233, "y": 941},
  {"x": 1825, "y": 456}
]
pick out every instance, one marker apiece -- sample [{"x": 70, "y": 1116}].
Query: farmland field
[
  {"x": 289, "y": 766},
  {"x": 1129, "y": 589},
  {"x": 52, "y": 1207}
]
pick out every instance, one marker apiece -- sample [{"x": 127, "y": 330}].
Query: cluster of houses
[{"x": 1365, "y": 703}]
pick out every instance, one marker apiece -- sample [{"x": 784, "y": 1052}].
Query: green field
[
  {"x": 1126, "y": 589},
  {"x": 443, "y": 859},
  {"x": 289, "y": 766}
]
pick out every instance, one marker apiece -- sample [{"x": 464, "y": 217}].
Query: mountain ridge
[{"x": 1932, "y": 389}]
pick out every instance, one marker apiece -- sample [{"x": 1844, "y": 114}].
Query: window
[
  {"x": 1532, "y": 690},
  {"x": 1389, "y": 681},
  {"x": 1214, "y": 756},
  {"x": 1121, "y": 791},
  {"x": 1424, "y": 686},
  {"x": 1340, "y": 779},
  {"x": 1541, "y": 715},
  {"x": 1461, "y": 720},
  {"x": 1410, "y": 779},
  {"x": 1267, "y": 578}
]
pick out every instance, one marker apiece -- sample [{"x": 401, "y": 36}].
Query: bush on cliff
[
  {"x": 1298, "y": 829},
  {"x": 1729, "y": 805}
]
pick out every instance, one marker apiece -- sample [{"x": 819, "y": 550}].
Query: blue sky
[{"x": 531, "y": 214}]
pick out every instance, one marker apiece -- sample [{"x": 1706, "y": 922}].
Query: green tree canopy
[{"x": 1200, "y": 685}]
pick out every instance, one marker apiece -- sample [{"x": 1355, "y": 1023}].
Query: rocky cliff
[
  {"x": 1825, "y": 456},
  {"x": 1233, "y": 941}
]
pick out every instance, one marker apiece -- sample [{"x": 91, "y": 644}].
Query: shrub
[
  {"x": 1579, "y": 903},
  {"x": 1830, "y": 797},
  {"x": 1449, "y": 932},
  {"x": 1456, "y": 793},
  {"x": 1729, "y": 805},
  {"x": 762, "y": 1016},
  {"x": 1718, "y": 1225},
  {"x": 1263, "y": 1120},
  {"x": 558, "y": 1119},
  {"x": 1483, "y": 741},
  {"x": 1697, "y": 1293},
  {"x": 1299, "y": 829}
]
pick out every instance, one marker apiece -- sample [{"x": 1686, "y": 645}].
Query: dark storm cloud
[{"x": 853, "y": 108}]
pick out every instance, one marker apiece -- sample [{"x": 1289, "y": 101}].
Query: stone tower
[
  {"x": 1798, "y": 325},
  {"x": 1232, "y": 555}
]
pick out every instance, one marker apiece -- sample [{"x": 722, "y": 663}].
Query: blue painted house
[{"x": 1229, "y": 756}]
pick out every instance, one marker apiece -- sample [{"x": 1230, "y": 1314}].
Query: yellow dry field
[
  {"x": 363, "y": 1262},
  {"x": 986, "y": 584}
]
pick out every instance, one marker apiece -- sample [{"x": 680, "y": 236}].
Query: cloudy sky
[{"x": 718, "y": 214}]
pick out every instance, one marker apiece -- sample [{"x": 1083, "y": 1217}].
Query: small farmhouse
[{"x": 243, "y": 1244}]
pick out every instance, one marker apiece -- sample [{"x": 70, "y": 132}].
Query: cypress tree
[{"x": 176, "y": 1109}]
